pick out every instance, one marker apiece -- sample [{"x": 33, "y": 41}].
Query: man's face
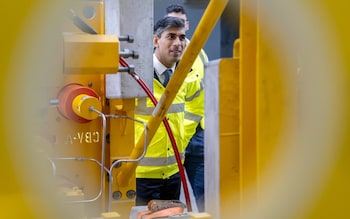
[{"x": 170, "y": 46}]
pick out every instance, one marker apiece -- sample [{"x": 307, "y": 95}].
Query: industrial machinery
[
  {"x": 276, "y": 119},
  {"x": 92, "y": 122},
  {"x": 93, "y": 153}
]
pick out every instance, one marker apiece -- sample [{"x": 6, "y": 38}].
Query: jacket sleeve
[{"x": 194, "y": 104}]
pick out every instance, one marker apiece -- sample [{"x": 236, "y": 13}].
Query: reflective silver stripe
[
  {"x": 159, "y": 161},
  {"x": 192, "y": 116},
  {"x": 203, "y": 58},
  {"x": 195, "y": 94},
  {"x": 142, "y": 108}
]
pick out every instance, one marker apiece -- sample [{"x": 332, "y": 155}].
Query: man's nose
[{"x": 177, "y": 41}]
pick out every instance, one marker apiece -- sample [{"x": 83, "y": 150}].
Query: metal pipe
[
  {"x": 201, "y": 34},
  {"x": 114, "y": 164},
  {"x": 52, "y": 160},
  {"x": 103, "y": 149},
  {"x": 104, "y": 125}
]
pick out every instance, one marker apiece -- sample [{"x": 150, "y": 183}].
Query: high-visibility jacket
[
  {"x": 195, "y": 107},
  {"x": 159, "y": 161},
  {"x": 199, "y": 62}
]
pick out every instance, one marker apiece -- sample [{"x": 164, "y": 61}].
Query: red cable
[{"x": 170, "y": 134}]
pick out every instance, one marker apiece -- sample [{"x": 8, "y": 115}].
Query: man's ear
[
  {"x": 155, "y": 41},
  {"x": 187, "y": 25}
]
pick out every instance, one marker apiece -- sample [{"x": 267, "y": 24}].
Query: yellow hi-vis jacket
[
  {"x": 199, "y": 62},
  {"x": 194, "y": 105},
  {"x": 159, "y": 161}
]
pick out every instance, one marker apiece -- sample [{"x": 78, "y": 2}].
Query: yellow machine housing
[{"x": 90, "y": 54}]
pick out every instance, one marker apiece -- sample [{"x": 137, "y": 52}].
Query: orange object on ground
[{"x": 162, "y": 208}]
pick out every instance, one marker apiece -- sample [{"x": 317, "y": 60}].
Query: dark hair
[
  {"x": 166, "y": 23},
  {"x": 175, "y": 8}
]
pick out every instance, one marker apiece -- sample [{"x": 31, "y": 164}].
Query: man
[
  {"x": 157, "y": 175},
  {"x": 176, "y": 10},
  {"x": 194, "y": 155}
]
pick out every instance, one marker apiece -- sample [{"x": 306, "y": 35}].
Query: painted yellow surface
[
  {"x": 294, "y": 109},
  {"x": 303, "y": 171}
]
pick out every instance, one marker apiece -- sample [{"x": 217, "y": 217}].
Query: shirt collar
[{"x": 159, "y": 67}]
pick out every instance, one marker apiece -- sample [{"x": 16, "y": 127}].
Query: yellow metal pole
[
  {"x": 201, "y": 34},
  {"x": 248, "y": 106}
]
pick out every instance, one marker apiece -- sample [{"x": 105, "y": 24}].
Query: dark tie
[{"x": 167, "y": 74}]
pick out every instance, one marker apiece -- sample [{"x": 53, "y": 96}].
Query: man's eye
[
  {"x": 174, "y": 36},
  {"x": 170, "y": 36}
]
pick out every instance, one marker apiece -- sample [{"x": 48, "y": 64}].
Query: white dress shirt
[{"x": 160, "y": 68}]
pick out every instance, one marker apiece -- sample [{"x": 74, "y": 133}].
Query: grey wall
[{"x": 220, "y": 41}]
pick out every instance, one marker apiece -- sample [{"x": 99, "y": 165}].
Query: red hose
[{"x": 170, "y": 134}]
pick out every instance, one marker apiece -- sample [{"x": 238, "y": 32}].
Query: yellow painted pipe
[{"x": 200, "y": 36}]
